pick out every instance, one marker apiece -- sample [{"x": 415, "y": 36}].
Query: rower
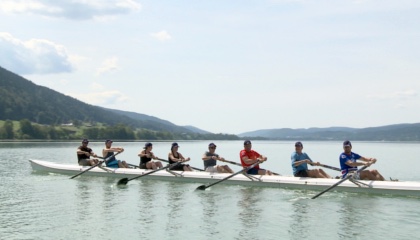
[
  {"x": 300, "y": 161},
  {"x": 210, "y": 161},
  {"x": 249, "y": 157},
  {"x": 108, "y": 151},
  {"x": 174, "y": 156},
  {"x": 349, "y": 165},
  {"x": 146, "y": 156},
  {"x": 84, "y": 153}
]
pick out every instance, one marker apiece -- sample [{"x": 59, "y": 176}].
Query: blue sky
[{"x": 225, "y": 66}]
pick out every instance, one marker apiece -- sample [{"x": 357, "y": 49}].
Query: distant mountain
[
  {"x": 151, "y": 122},
  {"x": 196, "y": 130},
  {"x": 22, "y": 99},
  {"x": 396, "y": 132}
]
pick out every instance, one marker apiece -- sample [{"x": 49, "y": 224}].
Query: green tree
[
  {"x": 26, "y": 128},
  {"x": 8, "y": 129}
]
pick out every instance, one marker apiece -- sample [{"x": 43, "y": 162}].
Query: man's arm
[{"x": 356, "y": 164}]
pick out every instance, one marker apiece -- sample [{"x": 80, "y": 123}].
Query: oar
[
  {"x": 330, "y": 167},
  {"x": 132, "y": 165},
  {"x": 203, "y": 187},
  {"x": 124, "y": 181},
  {"x": 198, "y": 169},
  {"x": 99, "y": 163},
  {"x": 339, "y": 182},
  {"x": 238, "y": 164}
]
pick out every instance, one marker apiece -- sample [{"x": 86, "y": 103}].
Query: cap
[
  {"x": 148, "y": 145},
  {"x": 298, "y": 144},
  {"x": 108, "y": 140},
  {"x": 85, "y": 141},
  {"x": 346, "y": 143},
  {"x": 212, "y": 145},
  {"x": 174, "y": 145},
  {"x": 247, "y": 142}
]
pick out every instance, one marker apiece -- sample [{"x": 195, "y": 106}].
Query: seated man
[
  {"x": 84, "y": 153},
  {"x": 348, "y": 164},
  {"x": 300, "y": 162},
  {"x": 108, "y": 151},
  {"x": 249, "y": 157},
  {"x": 210, "y": 159}
]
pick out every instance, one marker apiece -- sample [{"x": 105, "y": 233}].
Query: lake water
[{"x": 50, "y": 206}]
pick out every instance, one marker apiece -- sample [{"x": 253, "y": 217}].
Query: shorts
[
  {"x": 355, "y": 175},
  {"x": 84, "y": 162},
  {"x": 302, "y": 173},
  {"x": 254, "y": 171},
  {"x": 179, "y": 167},
  {"x": 211, "y": 169},
  {"x": 112, "y": 164},
  {"x": 142, "y": 166}
]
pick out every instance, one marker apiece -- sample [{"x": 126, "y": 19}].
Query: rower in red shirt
[{"x": 249, "y": 157}]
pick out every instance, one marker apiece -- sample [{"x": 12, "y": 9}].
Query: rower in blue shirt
[
  {"x": 300, "y": 161},
  {"x": 348, "y": 164}
]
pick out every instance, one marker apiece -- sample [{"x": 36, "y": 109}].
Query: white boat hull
[{"x": 374, "y": 187}]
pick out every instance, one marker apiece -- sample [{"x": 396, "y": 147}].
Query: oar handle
[
  {"x": 238, "y": 164},
  {"x": 330, "y": 167},
  {"x": 164, "y": 160},
  {"x": 231, "y": 162}
]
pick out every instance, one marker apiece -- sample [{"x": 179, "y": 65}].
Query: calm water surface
[{"x": 48, "y": 206}]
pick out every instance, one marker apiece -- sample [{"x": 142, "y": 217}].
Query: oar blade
[
  {"x": 122, "y": 181},
  {"x": 202, "y": 187}
]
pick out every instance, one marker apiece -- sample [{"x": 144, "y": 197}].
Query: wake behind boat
[{"x": 404, "y": 188}]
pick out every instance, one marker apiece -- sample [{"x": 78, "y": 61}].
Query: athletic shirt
[
  {"x": 251, "y": 155},
  {"x": 108, "y": 154},
  {"x": 344, "y": 158},
  {"x": 297, "y": 157},
  {"x": 83, "y": 156},
  {"x": 144, "y": 159},
  {"x": 176, "y": 156},
  {"x": 210, "y": 162}
]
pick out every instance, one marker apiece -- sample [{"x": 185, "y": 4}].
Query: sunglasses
[{"x": 212, "y": 147}]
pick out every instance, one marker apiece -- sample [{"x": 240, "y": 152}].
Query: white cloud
[
  {"x": 38, "y": 56},
  {"x": 104, "y": 99},
  {"x": 406, "y": 94},
  {"x": 97, "y": 86},
  {"x": 108, "y": 65},
  {"x": 71, "y": 9},
  {"x": 162, "y": 36}
]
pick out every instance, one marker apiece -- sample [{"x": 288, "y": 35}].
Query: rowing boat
[{"x": 405, "y": 188}]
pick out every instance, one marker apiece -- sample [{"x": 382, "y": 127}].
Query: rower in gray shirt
[{"x": 210, "y": 161}]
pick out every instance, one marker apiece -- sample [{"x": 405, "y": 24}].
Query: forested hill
[
  {"x": 22, "y": 99},
  {"x": 396, "y": 132}
]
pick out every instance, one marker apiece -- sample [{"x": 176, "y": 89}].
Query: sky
[{"x": 224, "y": 66}]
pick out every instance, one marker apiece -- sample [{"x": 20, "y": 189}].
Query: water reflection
[
  {"x": 250, "y": 213},
  {"x": 176, "y": 204},
  {"x": 298, "y": 218},
  {"x": 148, "y": 193},
  {"x": 208, "y": 201},
  {"x": 353, "y": 214},
  {"x": 84, "y": 199}
]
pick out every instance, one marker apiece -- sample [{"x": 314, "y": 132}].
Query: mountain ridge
[
  {"x": 394, "y": 132},
  {"x": 20, "y": 99}
]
